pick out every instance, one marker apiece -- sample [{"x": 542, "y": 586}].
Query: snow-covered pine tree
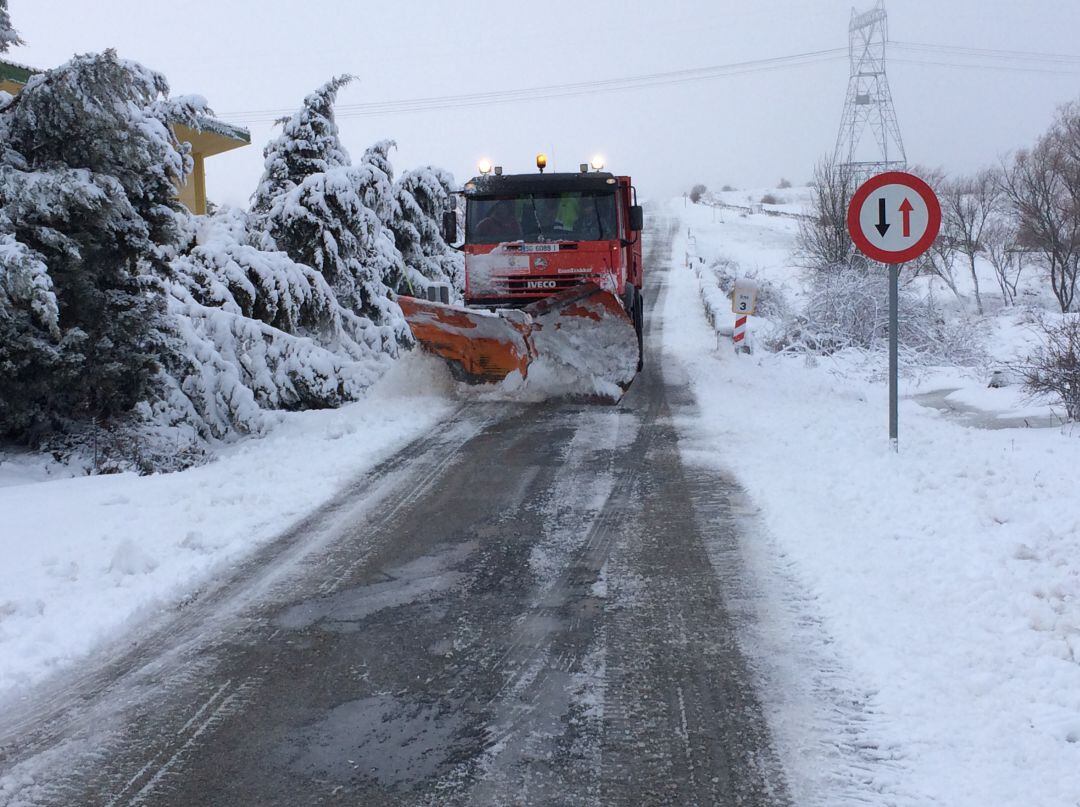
[
  {"x": 337, "y": 221},
  {"x": 88, "y": 191},
  {"x": 257, "y": 331},
  {"x": 324, "y": 223},
  {"x": 377, "y": 158},
  {"x": 8, "y": 35},
  {"x": 308, "y": 144},
  {"x": 423, "y": 195}
]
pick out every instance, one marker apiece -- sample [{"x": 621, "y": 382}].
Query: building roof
[
  {"x": 211, "y": 136},
  {"x": 238, "y": 133},
  {"x": 18, "y": 73}
]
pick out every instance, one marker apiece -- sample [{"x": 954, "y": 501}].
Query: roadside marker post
[
  {"x": 738, "y": 335},
  {"x": 743, "y": 304},
  {"x": 894, "y": 218}
]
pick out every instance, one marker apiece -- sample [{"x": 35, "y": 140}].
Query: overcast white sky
[{"x": 747, "y": 130}]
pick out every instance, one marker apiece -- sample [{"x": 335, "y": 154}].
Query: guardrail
[{"x": 755, "y": 208}]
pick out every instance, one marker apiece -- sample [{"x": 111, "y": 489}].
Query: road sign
[
  {"x": 894, "y": 217},
  {"x": 744, "y": 297}
]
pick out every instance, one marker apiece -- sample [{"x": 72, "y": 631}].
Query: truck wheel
[
  {"x": 635, "y": 307},
  {"x": 639, "y": 327}
]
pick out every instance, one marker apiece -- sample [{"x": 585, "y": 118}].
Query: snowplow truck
[{"x": 553, "y": 275}]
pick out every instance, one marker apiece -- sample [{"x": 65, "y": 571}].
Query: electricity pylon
[{"x": 869, "y": 103}]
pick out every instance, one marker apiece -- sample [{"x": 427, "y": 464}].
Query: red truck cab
[{"x": 528, "y": 236}]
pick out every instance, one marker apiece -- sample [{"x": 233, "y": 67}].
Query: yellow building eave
[
  {"x": 206, "y": 142},
  {"x": 212, "y": 138}
]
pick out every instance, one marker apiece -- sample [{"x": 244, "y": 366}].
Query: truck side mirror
[
  {"x": 449, "y": 226},
  {"x": 637, "y": 218}
]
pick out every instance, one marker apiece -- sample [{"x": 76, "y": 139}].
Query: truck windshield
[{"x": 568, "y": 216}]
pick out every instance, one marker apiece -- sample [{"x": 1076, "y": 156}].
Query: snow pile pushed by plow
[{"x": 578, "y": 342}]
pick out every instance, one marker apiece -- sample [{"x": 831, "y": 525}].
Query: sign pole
[
  {"x": 894, "y": 218},
  {"x": 894, "y": 350}
]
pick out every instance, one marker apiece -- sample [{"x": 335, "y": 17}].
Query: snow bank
[
  {"x": 945, "y": 577},
  {"x": 86, "y": 557}
]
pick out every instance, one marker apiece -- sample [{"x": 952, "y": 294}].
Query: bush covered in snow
[
  {"x": 337, "y": 221},
  {"x": 422, "y": 196},
  {"x": 770, "y": 298},
  {"x": 849, "y": 308},
  {"x": 270, "y": 330},
  {"x": 135, "y": 332},
  {"x": 88, "y": 167}
]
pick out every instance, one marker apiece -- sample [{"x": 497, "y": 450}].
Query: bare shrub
[
  {"x": 1054, "y": 367},
  {"x": 823, "y": 244},
  {"x": 941, "y": 259},
  {"x": 969, "y": 206},
  {"x": 727, "y": 189},
  {"x": 1043, "y": 186},
  {"x": 771, "y": 301},
  {"x": 772, "y": 199},
  {"x": 697, "y": 192},
  {"x": 849, "y": 309},
  {"x": 1005, "y": 255}
]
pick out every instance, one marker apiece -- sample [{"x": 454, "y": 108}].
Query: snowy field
[
  {"x": 86, "y": 557},
  {"x": 918, "y": 615},
  {"x": 915, "y": 617}
]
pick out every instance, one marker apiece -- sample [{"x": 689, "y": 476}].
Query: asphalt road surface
[{"x": 516, "y": 610}]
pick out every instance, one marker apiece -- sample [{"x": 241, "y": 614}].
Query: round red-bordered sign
[{"x": 912, "y": 247}]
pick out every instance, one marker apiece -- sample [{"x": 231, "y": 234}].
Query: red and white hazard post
[
  {"x": 738, "y": 335},
  {"x": 743, "y": 304},
  {"x": 893, "y": 218}
]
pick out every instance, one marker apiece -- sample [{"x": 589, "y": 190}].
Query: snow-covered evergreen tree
[
  {"x": 376, "y": 195},
  {"x": 308, "y": 144},
  {"x": 8, "y": 35},
  {"x": 422, "y": 196},
  {"x": 325, "y": 223},
  {"x": 257, "y": 331},
  {"x": 88, "y": 188},
  {"x": 118, "y": 307}
]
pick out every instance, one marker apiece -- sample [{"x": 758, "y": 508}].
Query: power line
[
  {"x": 366, "y": 112},
  {"x": 1000, "y": 67},
  {"x": 559, "y": 90},
  {"x": 1013, "y": 55},
  {"x": 1007, "y": 61}
]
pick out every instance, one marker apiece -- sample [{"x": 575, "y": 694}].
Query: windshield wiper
[
  {"x": 599, "y": 223},
  {"x": 536, "y": 218}
]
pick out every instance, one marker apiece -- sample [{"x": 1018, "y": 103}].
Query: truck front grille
[{"x": 535, "y": 285}]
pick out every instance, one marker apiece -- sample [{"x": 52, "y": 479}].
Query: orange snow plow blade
[
  {"x": 583, "y": 331},
  {"x": 482, "y": 345}
]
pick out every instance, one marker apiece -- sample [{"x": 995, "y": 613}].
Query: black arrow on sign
[{"x": 882, "y": 226}]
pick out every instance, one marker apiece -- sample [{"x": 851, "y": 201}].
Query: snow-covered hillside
[{"x": 917, "y": 614}]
